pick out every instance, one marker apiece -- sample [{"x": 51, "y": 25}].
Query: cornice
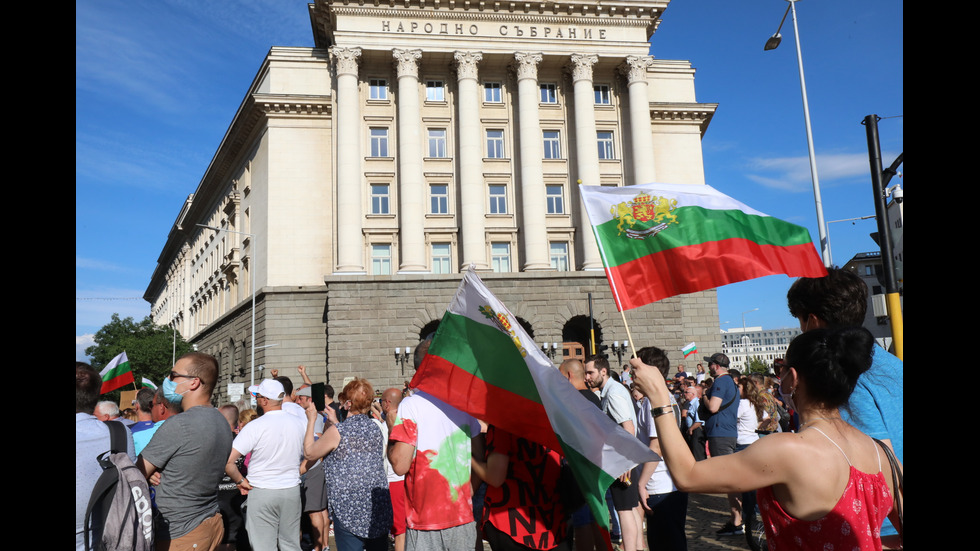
[
  {"x": 628, "y": 20},
  {"x": 699, "y": 114}
]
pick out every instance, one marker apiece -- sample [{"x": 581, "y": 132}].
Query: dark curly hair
[
  {"x": 830, "y": 361},
  {"x": 840, "y": 298}
]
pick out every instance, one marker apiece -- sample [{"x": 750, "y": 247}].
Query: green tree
[
  {"x": 148, "y": 346},
  {"x": 757, "y": 365}
]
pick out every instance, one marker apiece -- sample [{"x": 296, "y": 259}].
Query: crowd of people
[{"x": 402, "y": 468}]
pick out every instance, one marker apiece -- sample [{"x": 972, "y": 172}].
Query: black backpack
[{"x": 119, "y": 514}]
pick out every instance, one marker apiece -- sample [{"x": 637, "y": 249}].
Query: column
[
  {"x": 471, "y": 190},
  {"x": 411, "y": 180},
  {"x": 350, "y": 237},
  {"x": 586, "y": 151},
  {"x": 635, "y": 69},
  {"x": 533, "y": 195}
]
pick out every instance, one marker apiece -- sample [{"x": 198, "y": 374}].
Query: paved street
[{"x": 705, "y": 514}]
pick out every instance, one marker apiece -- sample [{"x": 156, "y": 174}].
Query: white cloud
[
  {"x": 793, "y": 173},
  {"x": 81, "y": 343}
]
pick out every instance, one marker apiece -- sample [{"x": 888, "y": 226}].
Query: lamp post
[
  {"x": 744, "y": 343},
  {"x": 852, "y": 220},
  {"x": 251, "y": 281},
  {"x": 772, "y": 44}
]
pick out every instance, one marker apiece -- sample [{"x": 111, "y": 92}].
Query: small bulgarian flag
[
  {"x": 117, "y": 374},
  {"x": 482, "y": 361},
  {"x": 690, "y": 349},
  {"x": 150, "y": 384},
  {"x": 662, "y": 240}
]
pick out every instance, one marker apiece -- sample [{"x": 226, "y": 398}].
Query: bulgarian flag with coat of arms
[
  {"x": 481, "y": 361},
  {"x": 662, "y": 240}
]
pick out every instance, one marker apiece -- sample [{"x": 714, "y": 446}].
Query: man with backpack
[
  {"x": 189, "y": 452},
  {"x": 92, "y": 439}
]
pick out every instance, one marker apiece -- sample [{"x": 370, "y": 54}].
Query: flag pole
[{"x": 628, "y": 335}]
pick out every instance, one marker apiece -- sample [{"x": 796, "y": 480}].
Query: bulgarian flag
[
  {"x": 690, "y": 349},
  {"x": 481, "y": 361},
  {"x": 150, "y": 384},
  {"x": 117, "y": 374},
  {"x": 661, "y": 240}
]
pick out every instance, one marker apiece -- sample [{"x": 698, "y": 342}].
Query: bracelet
[
  {"x": 239, "y": 483},
  {"x": 663, "y": 410}
]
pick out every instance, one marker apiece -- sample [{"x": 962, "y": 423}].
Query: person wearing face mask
[
  {"x": 189, "y": 453},
  {"x": 160, "y": 410}
]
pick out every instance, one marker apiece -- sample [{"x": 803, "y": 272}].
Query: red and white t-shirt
[{"x": 437, "y": 486}]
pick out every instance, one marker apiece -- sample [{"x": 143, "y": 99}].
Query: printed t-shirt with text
[{"x": 526, "y": 507}]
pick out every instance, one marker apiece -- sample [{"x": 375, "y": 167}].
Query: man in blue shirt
[{"x": 722, "y": 428}]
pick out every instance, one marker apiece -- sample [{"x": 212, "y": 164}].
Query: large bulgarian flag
[
  {"x": 482, "y": 361},
  {"x": 661, "y": 240},
  {"x": 117, "y": 374}
]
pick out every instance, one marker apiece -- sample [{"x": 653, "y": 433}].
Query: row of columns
[{"x": 412, "y": 254}]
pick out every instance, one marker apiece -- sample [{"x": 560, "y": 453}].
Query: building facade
[
  {"x": 740, "y": 345},
  {"x": 359, "y": 177}
]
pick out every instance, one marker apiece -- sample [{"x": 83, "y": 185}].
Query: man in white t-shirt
[
  {"x": 666, "y": 506},
  {"x": 275, "y": 441},
  {"x": 618, "y": 405}
]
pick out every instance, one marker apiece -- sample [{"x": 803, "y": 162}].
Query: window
[
  {"x": 379, "y": 142},
  {"x": 437, "y": 143},
  {"x": 439, "y": 199},
  {"x": 605, "y": 140},
  {"x": 495, "y": 144},
  {"x": 556, "y": 199},
  {"x": 491, "y": 92},
  {"x": 549, "y": 93},
  {"x": 378, "y": 89},
  {"x": 500, "y": 257},
  {"x": 601, "y": 94},
  {"x": 435, "y": 91},
  {"x": 498, "y": 199},
  {"x": 552, "y": 144},
  {"x": 559, "y": 256},
  {"x": 441, "y": 258},
  {"x": 381, "y": 259},
  {"x": 379, "y": 199}
]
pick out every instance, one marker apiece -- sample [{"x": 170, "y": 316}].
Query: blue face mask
[{"x": 170, "y": 391}]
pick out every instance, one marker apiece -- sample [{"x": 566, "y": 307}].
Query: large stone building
[
  {"x": 768, "y": 345},
  {"x": 360, "y": 176}
]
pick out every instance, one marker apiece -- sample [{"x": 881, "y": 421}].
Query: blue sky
[{"x": 157, "y": 83}]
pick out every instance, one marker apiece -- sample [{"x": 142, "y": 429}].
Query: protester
[
  {"x": 821, "y": 488},
  {"x": 360, "y": 501}
]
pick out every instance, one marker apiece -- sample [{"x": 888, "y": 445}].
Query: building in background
[
  {"x": 359, "y": 177},
  {"x": 755, "y": 342}
]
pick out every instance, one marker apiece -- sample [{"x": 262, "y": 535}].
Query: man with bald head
[
  {"x": 587, "y": 534},
  {"x": 390, "y": 399}
]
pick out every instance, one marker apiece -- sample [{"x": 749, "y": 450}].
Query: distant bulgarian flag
[
  {"x": 662, "y": 240},
  {"x": 482, "y": 361},
  {"x": 690, "y": 349},
  {"x": 148, "y": 383},
  {"x": 117, "y": 374}
]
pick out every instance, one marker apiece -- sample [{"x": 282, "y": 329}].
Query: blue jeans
[
  {"x": 347, "y": 541},
  {"x": 665, "y": 521}
]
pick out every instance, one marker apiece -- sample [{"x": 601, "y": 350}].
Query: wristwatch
[{"x": 663, "y": 410}]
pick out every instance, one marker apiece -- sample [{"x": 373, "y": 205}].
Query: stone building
[{"x": 359, "y": 177}]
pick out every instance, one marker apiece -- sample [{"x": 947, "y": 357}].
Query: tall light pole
[
  {"x": 746, "y": 344},
  {"x": 772, "y": 44},
  {"x": 251, "y": 281}
]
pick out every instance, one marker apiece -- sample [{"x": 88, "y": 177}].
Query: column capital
[
  {"x": 466, "y": 64},
  {"x": 526, "y": 65},
  {"x": 407, "y": 62},
  {"x": 635, "y": 67},
  {"x": 581, "y": 66},
  {"x": 346, "y": 60}
]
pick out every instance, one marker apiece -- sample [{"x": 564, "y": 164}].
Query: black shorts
[{"x": 624, "y": 497}]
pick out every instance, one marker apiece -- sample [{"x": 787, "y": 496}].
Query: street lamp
[
  {"x": 772, "y": 44},
  {"x": 251, "y": 281},
  {"x": 744, "y": 343},
  {"x": 851, "y": 220}
]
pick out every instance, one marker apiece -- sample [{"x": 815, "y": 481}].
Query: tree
[
  {"x": 756, "y": 365},
  {"x": 148, "y": 346}
]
